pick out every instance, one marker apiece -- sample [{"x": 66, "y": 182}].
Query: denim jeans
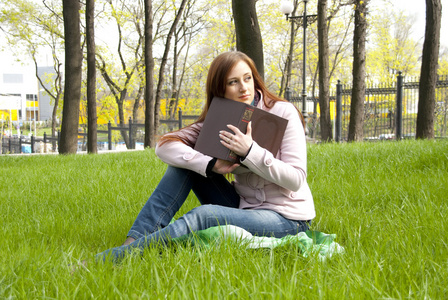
[{"x": 219, "y": 207}]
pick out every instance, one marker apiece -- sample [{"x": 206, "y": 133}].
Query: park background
[
  {"x": 385, "y": 202},
  {"x": 394, "y": 43}
]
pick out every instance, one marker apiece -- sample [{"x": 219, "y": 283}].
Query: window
[{"x": 31, "y": 97}]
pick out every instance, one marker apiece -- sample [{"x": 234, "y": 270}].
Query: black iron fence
[
  {"x": 25, "y": 144},
  {"x": 390, "y": 111}
]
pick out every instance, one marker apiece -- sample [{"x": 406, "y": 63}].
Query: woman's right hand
[{"x": 223, "y": 166}]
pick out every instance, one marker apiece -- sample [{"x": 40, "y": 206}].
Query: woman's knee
[{"x": 203, "y": 217}]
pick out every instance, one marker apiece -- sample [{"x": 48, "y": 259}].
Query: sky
[
  {"x": 412, "y": 7},
  {"x": 418, "y": 8}
]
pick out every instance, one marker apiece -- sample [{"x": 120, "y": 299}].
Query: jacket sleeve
[
  {"x": 288, "y": 168},
  {"x": 177, "y": 154}
]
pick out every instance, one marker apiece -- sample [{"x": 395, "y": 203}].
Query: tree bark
[
  {"x": 163, "y": 64},
  {"x": 286, "y": 78},
  {"x": 324, "y": 67},
  {"x": 92, "y": 146},
  {"x": 149, "y": 78},
  {"x": 247, "y": 29},
  {"x": 428, "y": 72},
  {"x": 355, "y": 130},
  {"x": 73, "y": 68}
]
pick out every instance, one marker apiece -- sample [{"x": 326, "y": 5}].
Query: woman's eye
[
  {"x": 248, "y": 78},
  {"x": 232, "y": 82}
]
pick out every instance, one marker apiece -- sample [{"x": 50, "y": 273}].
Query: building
[{"x": 21, "y": 97}]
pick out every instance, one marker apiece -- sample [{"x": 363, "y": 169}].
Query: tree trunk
[
  {"x": 73, "y": 68},
  {"x": 286, "y": 78},
  {"x": 428, "y": 73},
  {"x": 324, "y": 67},
  {"x": 121, "y": 118},
  {"x": 92, "y": 146},
  {"x": 163, "y": 64},
  {"x": 355, "y": 130},
  {"x": 149, "y": 78},
  {"x": 248, "y": 35},
  {"x": 172, "y": 104}
]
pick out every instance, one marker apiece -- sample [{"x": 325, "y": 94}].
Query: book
[{"x": 267, "y": 129}]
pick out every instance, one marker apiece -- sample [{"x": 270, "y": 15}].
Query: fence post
[
  {"x": 338, "y": 112},
  {"x": 399, "y": 113},
  {"x": 288, "y": 94},
  {"x": 180, "y": 118},
  {"x": 45, "y": 142},
  {"x": 109, "y": 136},
  {"x": 32, "y": 143},
  {"x": 130, "y": 134}
]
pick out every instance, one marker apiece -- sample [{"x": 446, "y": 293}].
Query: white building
[{"x": 21, "y": 98}]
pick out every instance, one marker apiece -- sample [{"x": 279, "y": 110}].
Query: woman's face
[{"x": 240, "y": 83}]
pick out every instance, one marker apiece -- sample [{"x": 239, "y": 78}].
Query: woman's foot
[{"x": 128, "y": 241}]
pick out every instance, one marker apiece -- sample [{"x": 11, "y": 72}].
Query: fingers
[
  {"x": 238, "y": 142},
  {"x": 237, "y": 131},
  {"x": 249, "y": 129},
  {"x": 226, "y": 136},
  {"x": 224, "y": 166}
]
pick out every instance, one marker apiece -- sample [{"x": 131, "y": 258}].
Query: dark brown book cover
[{"x": 267, "y": 129}]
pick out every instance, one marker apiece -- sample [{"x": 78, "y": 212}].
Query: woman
[{"x": 270, "y": 195}]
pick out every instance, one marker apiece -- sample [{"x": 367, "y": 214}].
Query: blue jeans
[{"x": 219, "y": 207}]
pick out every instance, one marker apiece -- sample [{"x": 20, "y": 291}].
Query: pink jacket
[{"x": 270, "y": 182}]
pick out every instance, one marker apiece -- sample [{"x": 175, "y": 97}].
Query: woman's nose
[{"x": 243, "y": 87}]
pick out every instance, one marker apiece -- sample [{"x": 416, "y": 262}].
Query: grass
[{"x": 385, "y": 201}]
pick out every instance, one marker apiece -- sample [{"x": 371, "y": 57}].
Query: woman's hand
[
  {"x": 238, "y": 142},
  {"x": 223, "y": 166}
]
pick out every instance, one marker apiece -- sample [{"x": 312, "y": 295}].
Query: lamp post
[{"x": 287, "y": 8}]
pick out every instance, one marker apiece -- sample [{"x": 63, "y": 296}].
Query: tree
[
  {"x": 392, "y": 48},
  {"x": 73, "y": 71},
  {"x": 286, "y": 74},
  {"x": 163, "y": 63},
  {"x": 191, "y": 24},
  {"x": 324, "y": 18},
  {"x": 248, "y": 35},
  {"x": 92, "y": 146},
  {"x": 355, "y": 130},
  {"x": 324, "y": 84},
  {"x": 122, "y": 85},
  {"x": 149, "y": 77},
  {"x": 428, "y": 73}
]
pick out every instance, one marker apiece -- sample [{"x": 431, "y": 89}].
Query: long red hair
[{"x": 216, "y": 87}]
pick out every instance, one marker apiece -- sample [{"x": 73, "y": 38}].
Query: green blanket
[{"x": 310, "y": 242}]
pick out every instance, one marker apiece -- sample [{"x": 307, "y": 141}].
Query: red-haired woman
[{"x": 270, "y": 195}]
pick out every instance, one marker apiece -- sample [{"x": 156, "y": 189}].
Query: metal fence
[
  {"x": 387, "y": 108},
  {"x": 24, "y": 144},
  {"x": 390, "y": 111}
]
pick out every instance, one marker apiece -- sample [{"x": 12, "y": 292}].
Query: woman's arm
[{"x": 178, "y": 154}]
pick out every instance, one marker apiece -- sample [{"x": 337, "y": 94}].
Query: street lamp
[{"x": 286, "y": 8}]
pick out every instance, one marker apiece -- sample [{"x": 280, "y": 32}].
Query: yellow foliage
[
  {"x": 164, "y": 105},
  {"x": 332, "y": 109}
]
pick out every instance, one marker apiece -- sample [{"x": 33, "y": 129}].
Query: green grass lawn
[{"x": 387, "y": 203}]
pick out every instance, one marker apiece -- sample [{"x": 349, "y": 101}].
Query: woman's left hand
[{"x": 238, "y": 142}]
